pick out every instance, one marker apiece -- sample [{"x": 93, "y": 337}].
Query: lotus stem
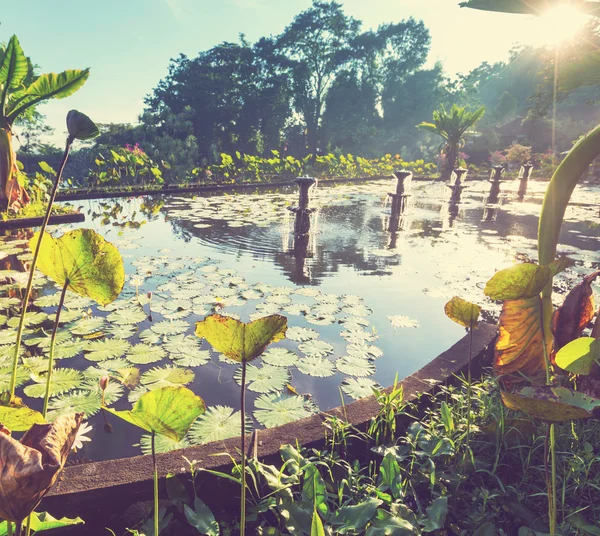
[
  {"x": 243, "y": 454},
  {"x": 469, "y": 384},
  {"x": 52, "y": 341},
  {"x": 155, "y": 486},
  {"x": 9, "y": 529},
  {"x": 554, "y": 504},
  {"x": 13, "y": 379}
]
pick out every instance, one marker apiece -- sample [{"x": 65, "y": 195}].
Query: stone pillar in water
[
  {"x": 302, "y": 222},
  {"x": 457, "y": 186},
  {"x": 495, "y": 180},
  {"x": 399, "y": 198},
  {"x": 524, "y": 176}
]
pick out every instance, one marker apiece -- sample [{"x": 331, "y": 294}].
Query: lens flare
[{"x": 558, "y": 25}]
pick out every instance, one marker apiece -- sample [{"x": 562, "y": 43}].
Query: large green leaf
[
  {"x": 353, "y": 519},
  {"x": 49, "y": 86},
  {"x": 238, "y": 341},
  {"x": 216, "y": 424},
  {"x": 201, "y": 518},
  {"x": 462, "y": 312},
  {"x": 552, "y": 404},
  {"x": 17, "y": 417},
  {"x": 169, "y": 411},
  {"x": 44, "y": 521},
  {"x": 316, "y": 526},
  {"x": 275, "y": 409},
  {"x": 523, "y": 281},
  {"x": 92, "y": 266},
  {"x": 313, "y": 489},
  {"x": 579, "y": 356},
  {"x": 80, "y": 126},
  {"x": 13, "y": 68}
]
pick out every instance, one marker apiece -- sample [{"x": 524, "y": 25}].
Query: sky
[{"x": 128, "y": 43}]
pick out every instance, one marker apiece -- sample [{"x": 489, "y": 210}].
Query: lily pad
[
  {"x": 316, "y": 366},
  {"x": 217, "y": 423},
  {"x": 355, "y": 366},
  {"x": 144, "y": 354},
  {"x": 130, "y": 315},
  {"x": 168, "y": 375},
  {"x": 161, "y": 444},
  {"x": 276, "y": 409},
  {"x": 106, "y": 349},
  {"x": 358, "y": 388},
  {"x": 279, "y": 357},
  {"x": 401, "y": 321},
  {"x": 263, "y": 379},
  {"x": 301, "y": 334},
  {"x": 63, "y": 380},
  {"x": 170, "y": 327},
  {"x": 316, "y": 348}
]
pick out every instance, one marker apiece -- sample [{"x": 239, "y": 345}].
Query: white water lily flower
[{"x": 81, "y": 438}]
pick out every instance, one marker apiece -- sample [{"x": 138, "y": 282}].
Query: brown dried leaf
[
  {"x": 29, "y": 468},
  {"x": 519, "y": 350},
  {"x": 577, "y": 311}
]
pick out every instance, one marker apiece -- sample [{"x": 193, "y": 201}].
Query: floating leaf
[
  {"x": 357, "y": 388},
  {"x": 62, "y": 381},
  {"x": 167, "y": 375},
  {"x": 87, "y": 325},
  {"x": 106, "y": 349},
  {"x": 316, "y": 348},
  {"x": 31, "y": 319},
  {"x": 276, "y": 409},
  {"x": 263, "y": 379},
  {"x": 320, "y": 320},
  {"x": 169, "y": 411},
  {"x": 144, "y": 354},
  {"x": 170, "y": 327},
  {"x": 462, "y": 312},
  {"x": 579, "y": 356},
  {"x": 218, "y": 423},
  {"x": 92, "y": 266},
  {"x": 17, "y": 417},
  {"x": 355, "y": 366},
  {"x": 279, "y": 357},
  {"x": 364, "y": 351},
  {"x": 239, "y": 341},
  {"x": 130, "y": 315},
  {"x": 73, "y": 402},
  {"x": 316, "y": 366},
  {"x": 400, "y": 321},
  {"x": 552, "y": 404}
]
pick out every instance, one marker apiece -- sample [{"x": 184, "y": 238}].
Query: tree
[
  {"x": 318, "y": 45},
  {"x": 452, "y": 126}
]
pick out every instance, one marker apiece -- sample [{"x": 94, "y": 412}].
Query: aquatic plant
[
  {"x": 169, "y": 412},
  {"x": 242, "y": 343},
  {"x": 80, "y": 127},
  {"x": 21, "y": 91},
  {"x": 83, "y": 262}
]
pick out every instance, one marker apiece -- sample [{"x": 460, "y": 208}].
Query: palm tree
[
  {"x": 20, "y": 91},
  {"x": 452, "y": 126}
]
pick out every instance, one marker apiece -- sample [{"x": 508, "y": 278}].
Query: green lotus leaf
[
  {"x": 69, "y": 349},
  {"x": 551, "y": 404},
  {"x": 316, "y": 366},
  {"x": 358, "y": 336},
  {"x": 106, "y": 349},
  {"x": 364, "y": 351},
  {"x": 32, "y": 318},
  {"x": 144, "y": 354},
  {"x": 238, "y": 341},
  {"x": 170, "y": 327},
  {"x": 523, "y": 281},
  {"x": 122, "y": 331},
  {"x": 218, "y": 423},
  {"x": 62, "y": 381},
  {"x": 320, "y": 320},
  {"x": 358, "y": 388},
  {"x": 401, "y": 321},
  {"x": 42, "y": 521},
  {"x": 263, "y": 379},
  {"x": 279, "y": 357},
  {"x": 168, "y": 411},
  {"x": 17, "y": 417},
  {"x": 168, "y": 375},
  {"x": 73, "y": 402},
  {"x": 5, "y": 375},
  {"x": 316, "y": 348},
  {"x": 462, "y": 312},
  {"x": 276, "y": 409},
  {"x": 355, "y": 366},
  {"x": 130, "y": 315},
  {"x": 149, "y": 337},
  {"x": 87, "y": 325},
  {"x": 43, "y": 341},
  {"x": 92, "y": 266},
  {"x": 80, "y": 126},
  {"x": 579, "y": 356}
]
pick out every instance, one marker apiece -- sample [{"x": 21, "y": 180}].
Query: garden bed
[{"x": 93, "y": 490}]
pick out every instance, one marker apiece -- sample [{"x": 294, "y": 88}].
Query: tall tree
[{"x": 318, "y": 44}]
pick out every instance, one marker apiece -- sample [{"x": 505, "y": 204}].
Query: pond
[{"x": 364, "y": 305}]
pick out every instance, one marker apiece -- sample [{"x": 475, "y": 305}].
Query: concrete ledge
[
  {"x": 120, "y": 482},
  {"x": 23, "y": 223}
]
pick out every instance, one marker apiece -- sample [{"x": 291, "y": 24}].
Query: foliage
[
  {"x": 518, "y": 154},
  {"x": 125, "y": 165}
]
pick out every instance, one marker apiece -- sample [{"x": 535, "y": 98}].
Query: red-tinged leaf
[
  {"x": 519, "y": 350},
  {"x": 577, "y": 311}
]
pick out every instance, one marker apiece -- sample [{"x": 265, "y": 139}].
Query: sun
[{"x": 558, "y": 25}]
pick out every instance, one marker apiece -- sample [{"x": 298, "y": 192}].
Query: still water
[{"x": 364, "y": 305}]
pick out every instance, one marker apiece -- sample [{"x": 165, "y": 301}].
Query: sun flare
[{"x": 558, "y": 25}]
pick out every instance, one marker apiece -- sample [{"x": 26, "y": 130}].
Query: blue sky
[{"x": 128, "y": 43}]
